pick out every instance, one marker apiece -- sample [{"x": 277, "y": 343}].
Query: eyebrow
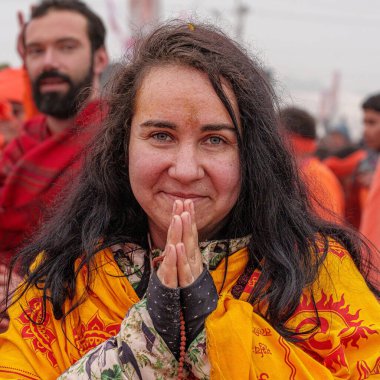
[
  {"x": 59, "y": 41},
  {"x": 172, "y": 126}
]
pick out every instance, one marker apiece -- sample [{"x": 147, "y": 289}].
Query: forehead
[
  {"x": 371, "y": 115},
  {"x": 56, "y": 25},
  {"x": 179, "y": 84}
]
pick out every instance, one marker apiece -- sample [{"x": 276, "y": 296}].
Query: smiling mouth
[{"x": 183, "y": 196}]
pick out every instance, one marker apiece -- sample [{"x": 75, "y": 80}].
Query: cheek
[
  {"x": 227, "y": 178},
  {"x": 371, "y": 132},
  {"x": 33, "y": 69},
  {"x": 79, "y": 75},
  {"x": 145, "y": 168}
]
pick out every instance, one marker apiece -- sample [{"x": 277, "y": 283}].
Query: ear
[{"x": 100, "y": 60}]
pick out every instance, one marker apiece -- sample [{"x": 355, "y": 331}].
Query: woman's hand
[{"x": 182, "y": 263}]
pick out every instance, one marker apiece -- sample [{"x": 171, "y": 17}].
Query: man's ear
[{"x": 100, "y": 60}]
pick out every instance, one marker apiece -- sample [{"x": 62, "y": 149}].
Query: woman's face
[{"x": 183, "y": 145}]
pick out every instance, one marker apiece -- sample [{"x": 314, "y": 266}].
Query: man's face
[
  {"x": 59, "y": 61},
  {"x": 371, "y": 123}
]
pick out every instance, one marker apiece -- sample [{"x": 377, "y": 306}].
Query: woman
[{"x": 189, "y": 216}]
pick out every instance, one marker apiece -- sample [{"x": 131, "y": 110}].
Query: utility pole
[{"x": 241, "y": 12}]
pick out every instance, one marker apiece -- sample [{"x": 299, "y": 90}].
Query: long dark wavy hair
[{"x": 272, "y": 206}]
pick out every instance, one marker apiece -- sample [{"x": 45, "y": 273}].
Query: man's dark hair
[
  {"x": 372, "y": 103},
  {"x": 289, "y": 242},
  {"x": 95, "y": 26},
  {"x": 298, "y": 121}
]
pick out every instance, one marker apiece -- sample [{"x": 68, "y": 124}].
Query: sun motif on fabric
[
  {"x": 365, "y": 371},
  {"x": 40, "y": 336},
  {"x": 326, "y": 345},
  {"x": 334, "y": 248},
  {"x": 91, "y": 334}
]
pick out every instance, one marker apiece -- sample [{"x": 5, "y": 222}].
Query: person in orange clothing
[
  {"x": 327, "y": 195},
  {"x": 12, "y": 88},
  {"x": 355, "y": 170},
  {"x": 11, "y": 104},
  {"x": 370, "y": 222}
]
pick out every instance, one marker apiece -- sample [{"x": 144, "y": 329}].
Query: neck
[{"x": 58, "y": 125}]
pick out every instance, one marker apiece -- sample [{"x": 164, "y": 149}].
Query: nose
[
  {"x": 49, "y": 60},
  {"x": 187, "y": 165}
]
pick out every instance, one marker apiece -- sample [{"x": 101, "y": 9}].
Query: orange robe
[
  {"x": 12, "y": 84},
  {"x": 327, "y": 196},
  {"x": 355, "y": 192},
  {"x": 325, "y": 188},
  {"x": 370, "y": 223},
  {"x": 344, "y": 167}
]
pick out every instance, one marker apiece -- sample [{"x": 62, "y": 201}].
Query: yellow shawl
[{"x": 241, "y": 344}]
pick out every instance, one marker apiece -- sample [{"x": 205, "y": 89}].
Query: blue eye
[
  {"x": 161, "y": 136},
  {"x": 215, "y": 140}
]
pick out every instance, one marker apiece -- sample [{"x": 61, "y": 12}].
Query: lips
[
  {"x": 52, "y": 80},
  {"x": 52, "y": 84},
  {"x": 182, "y": 196}
]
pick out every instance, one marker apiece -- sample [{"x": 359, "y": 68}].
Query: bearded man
[{"x": 64, "y": 55}]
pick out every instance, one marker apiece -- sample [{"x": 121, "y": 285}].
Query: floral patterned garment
[{"x": 138, "y": 351}]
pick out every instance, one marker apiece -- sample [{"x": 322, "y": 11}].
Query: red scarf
[{"x": 34, "y": 168}]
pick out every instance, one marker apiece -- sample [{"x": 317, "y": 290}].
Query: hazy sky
[{"x": 303, "y": 42}]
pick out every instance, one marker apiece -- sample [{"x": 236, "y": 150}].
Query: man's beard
[{"x": 62, "y": 105}]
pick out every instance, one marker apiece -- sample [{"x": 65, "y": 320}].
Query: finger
[
  {"x": 189, "y": 207},
  {"x": 167, "y": 272},
  {"x": 188, "y": 236},
  {"x": 177, "y": 207},
  {"x": 190, "y": 239},
  {"x": 175, "y": 231},
  {"x": 185, "y": 275},
  {"x": 193, "y": 222}
]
